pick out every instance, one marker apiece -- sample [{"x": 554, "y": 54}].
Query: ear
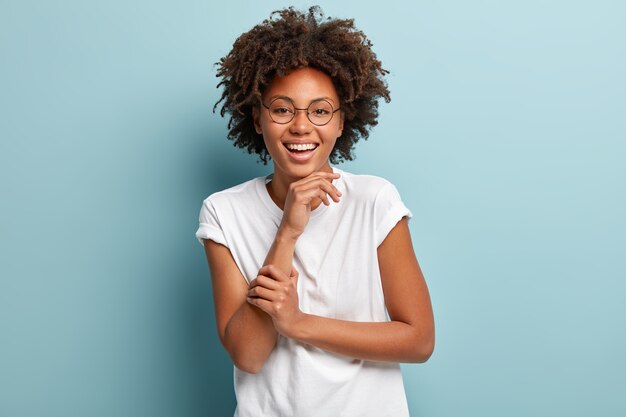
[
  {"x": 256, "y": 116},
  {"x": 341, "y": 118}
]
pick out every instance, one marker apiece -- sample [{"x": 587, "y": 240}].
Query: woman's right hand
[{"x": 301, "y": 196}]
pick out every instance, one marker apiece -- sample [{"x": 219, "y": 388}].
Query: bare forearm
[
  {"x": 250, "y": 335},
  {"x": 249, "y": 338},
  {"x": 392, "y": 341},
  {"x": 281, "y": 252}
]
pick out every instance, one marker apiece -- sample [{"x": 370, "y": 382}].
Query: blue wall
[{"x": 506, "y": 136}]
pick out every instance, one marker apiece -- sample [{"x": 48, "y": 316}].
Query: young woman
[{"x": 318, "y": 293}]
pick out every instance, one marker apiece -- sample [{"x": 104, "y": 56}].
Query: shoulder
[
  {"x": 241, "y": 193},
  {"x": 366, "y": 188},
  {"x": 230, "y": 202}
]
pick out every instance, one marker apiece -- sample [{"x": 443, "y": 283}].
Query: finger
[
  {"x": 323, "y": 174},
  {"x": 260, "y": 303},
  {"x": 264, "y": 281},
  {"x": 331, "y": 190},
  {"x": 307, "y": 195},
  {"x": 264, "y": 293},
  {"x": 324, "y": 185},
  {"x": 312, "y": 180},
  {"x": 273, "y": 272},
  {"x": 324, "y": 197},
  {"x": 253, "y": 282}
]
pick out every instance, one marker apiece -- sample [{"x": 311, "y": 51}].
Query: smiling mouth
[{"x": 301, "y": 147}]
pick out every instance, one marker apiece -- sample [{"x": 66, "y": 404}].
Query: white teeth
[{"x": 300, "y": 146}]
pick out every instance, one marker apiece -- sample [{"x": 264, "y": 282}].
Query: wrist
[
  {"x": 297, "y": 326},
  {"x": 287, "y": 235}
]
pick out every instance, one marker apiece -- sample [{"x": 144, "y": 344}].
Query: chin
[{"x": 301, "y": 170}]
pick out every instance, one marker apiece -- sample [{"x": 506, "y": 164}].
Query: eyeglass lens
[{"x": 283, "y": 111}]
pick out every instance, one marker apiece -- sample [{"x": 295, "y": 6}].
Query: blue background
[{"x": 506, "y": 136}]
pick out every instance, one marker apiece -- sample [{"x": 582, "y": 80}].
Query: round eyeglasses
[{"x": 282, "y": 111}]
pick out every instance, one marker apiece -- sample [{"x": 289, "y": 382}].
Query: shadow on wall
[{"x": 225, "y": 166}]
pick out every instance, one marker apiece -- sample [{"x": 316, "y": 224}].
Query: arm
[
  {"x": 408, "y": 337},
  {"x": 246, "y": 332}
]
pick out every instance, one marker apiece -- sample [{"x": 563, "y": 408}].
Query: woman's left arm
[{"x": 408, "y": 337}]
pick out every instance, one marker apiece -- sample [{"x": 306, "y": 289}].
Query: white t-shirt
[{"x": 339, "y": 278}]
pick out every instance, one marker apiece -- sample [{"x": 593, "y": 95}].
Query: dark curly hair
[{"x": 292, "y": 39}]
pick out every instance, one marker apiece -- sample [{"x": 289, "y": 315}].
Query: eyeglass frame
[{"x": 295, "y": 110}]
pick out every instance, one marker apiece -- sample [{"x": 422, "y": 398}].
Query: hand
[
  {"x": 277, "y": 294},
  {"x": 300, "y": 197}
]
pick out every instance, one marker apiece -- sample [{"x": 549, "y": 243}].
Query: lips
[
  {"x": 301, "y": 152},
  {"x": 298, "y": 147}
]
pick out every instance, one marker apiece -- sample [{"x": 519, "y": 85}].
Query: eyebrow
[{"x": 290, "y": 99}]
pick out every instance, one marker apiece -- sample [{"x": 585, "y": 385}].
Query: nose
[{"x": 301, "y": 123}]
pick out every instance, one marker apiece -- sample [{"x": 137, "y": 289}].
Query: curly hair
[{"x": 291, "y": 39}]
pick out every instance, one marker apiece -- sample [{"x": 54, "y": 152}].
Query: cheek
[
  {"x": 332, "y": 134},
  {"x": 271, "y": 133},
  {"x": 266, "y": 127}
]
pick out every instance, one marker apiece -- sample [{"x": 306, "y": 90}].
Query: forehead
[{"x": 303, "y": 85}]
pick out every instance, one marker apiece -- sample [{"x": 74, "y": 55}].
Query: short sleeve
[
  {"x": 209, "y": 227},
  {"x": 388, "y": 211}
]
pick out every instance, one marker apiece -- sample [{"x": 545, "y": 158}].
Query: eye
[
  {"x": 320, "y": 109},
  {"x": 281, "y": 110}
]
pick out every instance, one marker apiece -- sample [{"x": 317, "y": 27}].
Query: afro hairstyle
[{"x": 291, "y": 39}]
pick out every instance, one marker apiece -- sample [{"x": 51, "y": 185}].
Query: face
[{"x": 299, "y": 147}]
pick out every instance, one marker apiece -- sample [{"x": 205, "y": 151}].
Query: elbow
[
  {"x": 425, "y": 353},
  {"x": 251, "y": 367},
  {"x": 246, "y": 357},
  {"x": 423, "y": 349},
  {"x": 247, "y": 361}
]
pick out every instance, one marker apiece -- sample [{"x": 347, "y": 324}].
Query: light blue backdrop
[{"x": 506, "y": 136}]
